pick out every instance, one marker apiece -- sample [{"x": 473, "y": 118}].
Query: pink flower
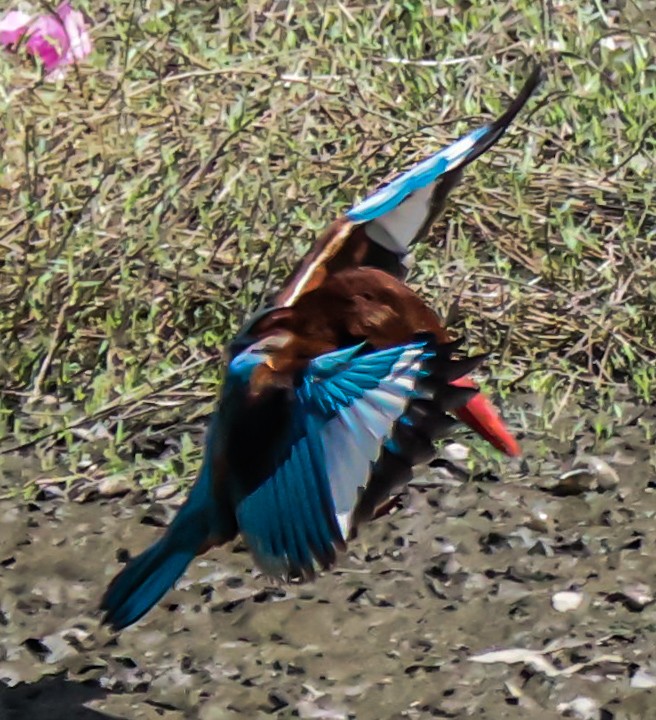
[
  {"x": 12, "y": 27},
  {"x": 58, "y": 39}
]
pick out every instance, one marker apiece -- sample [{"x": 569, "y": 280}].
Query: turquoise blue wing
[
  {"x": 397, "y": 214},
  {"x": 380, "y": 230},
  {"x": 346, "y": 407}
]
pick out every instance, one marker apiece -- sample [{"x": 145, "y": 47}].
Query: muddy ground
[{"x": 402, "y": 628}]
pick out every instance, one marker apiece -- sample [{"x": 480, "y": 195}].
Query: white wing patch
[
  {"x": 397, "y": 228},
  {"x": 352, "y": 440},
  {"x": 417, "y": 185}
]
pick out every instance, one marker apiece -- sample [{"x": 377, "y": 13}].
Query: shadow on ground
[{"x": 51, "y": 698}]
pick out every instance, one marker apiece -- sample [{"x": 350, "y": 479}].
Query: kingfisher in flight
[{"x": 331, "y": 397}]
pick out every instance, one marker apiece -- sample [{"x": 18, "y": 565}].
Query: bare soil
[{"x": 469, "y": 565}]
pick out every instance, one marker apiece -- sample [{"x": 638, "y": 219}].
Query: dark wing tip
[
  {"x": 499, "y": 126},
  {"x": 529, "y": 87}
]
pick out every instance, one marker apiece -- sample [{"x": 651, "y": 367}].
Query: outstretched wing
[
  {"x": 378, "y": 231},
  {"x": 349, "y": 410}
]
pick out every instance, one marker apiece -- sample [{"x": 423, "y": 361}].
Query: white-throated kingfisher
[{"x": 331, "y": 396}]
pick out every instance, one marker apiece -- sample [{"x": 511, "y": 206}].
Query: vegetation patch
[{"x": 159, "y": 192}]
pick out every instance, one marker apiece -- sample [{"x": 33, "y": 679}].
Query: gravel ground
[{"x": 526, "y": 595}]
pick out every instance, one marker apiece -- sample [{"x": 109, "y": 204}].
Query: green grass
[{"x": 157, "y": 195}]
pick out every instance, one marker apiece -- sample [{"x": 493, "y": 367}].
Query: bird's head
[
  {"x": 262, "y": 353},
  {"x": 262, "y": 324}
]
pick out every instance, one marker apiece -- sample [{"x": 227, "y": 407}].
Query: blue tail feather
[
  {"x": 201, "y": 521},
  {"x": 148, "y": 576},
  {"x": 144, "y": 580}
]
